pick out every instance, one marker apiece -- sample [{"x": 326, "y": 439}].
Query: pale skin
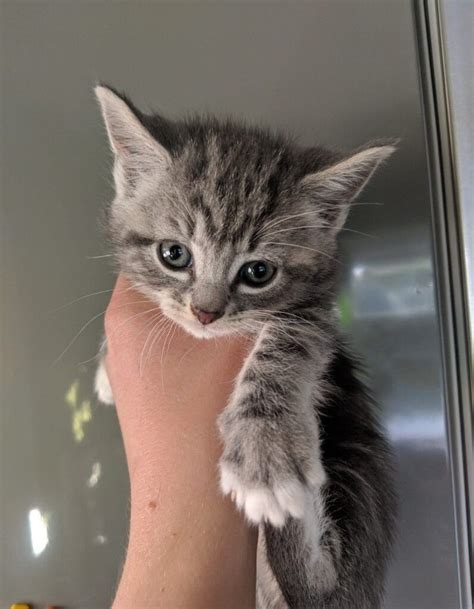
[{"x": 188, "y": 546}]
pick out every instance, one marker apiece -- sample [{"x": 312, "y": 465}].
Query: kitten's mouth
[
  {"x": 198, "y": 329},
  {"x": 225, "y": 325}
]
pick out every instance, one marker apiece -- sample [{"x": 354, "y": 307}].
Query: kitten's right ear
[{"x": 137, "y": 152}]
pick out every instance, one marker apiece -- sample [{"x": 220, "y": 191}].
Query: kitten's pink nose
[{"x": 206, "y": 317}]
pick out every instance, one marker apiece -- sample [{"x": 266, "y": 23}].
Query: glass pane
[{"x": 338, "y": 73}]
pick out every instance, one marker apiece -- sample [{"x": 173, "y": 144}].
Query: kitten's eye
[
  {"x": 174, "y": 255},
  {"x": 257, "y": 273}
]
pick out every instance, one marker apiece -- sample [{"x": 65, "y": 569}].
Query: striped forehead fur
[{"x": 230, "y": 192}]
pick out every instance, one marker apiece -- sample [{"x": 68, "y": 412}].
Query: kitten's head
[{"x": 225, "y": 225}]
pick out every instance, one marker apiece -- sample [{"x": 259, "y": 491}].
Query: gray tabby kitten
[{"x": 232, "y": 229}]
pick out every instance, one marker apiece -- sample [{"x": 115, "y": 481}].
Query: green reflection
[
  {"x": 345, "y": 308},
  {"x": 81, "y": 411}
]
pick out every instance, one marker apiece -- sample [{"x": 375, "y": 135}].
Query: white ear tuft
[{"x": 136, "y": 151}]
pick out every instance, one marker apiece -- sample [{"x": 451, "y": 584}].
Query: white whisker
[
  {"x": 348, "y": 230},
  {"x": 157, "y": 332},
  {"x": 297, "y": 323},
  {"x": 187, "y": 353},
  {"x": 95, "y": 356},
  {"x": 79, "y": 299},
  {"x": 285, "y": 313},
  {"x": 304, "y": 247},
  {"x": 175, "y": 327},
  {"x": 86, "y": 325},
  {"x": 98, "y": 257},
  {"x": 277, "y": 221},
  {"x": 279, "y": 329},
  {"x": 163, "y": 354},
  {"x": 89, "y": 296},
  {"x": 156, "y": 322}
]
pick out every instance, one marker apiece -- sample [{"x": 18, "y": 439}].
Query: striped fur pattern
[{"x": 304, "y": 457}]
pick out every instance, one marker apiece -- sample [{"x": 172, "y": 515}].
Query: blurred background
[{"x": 336, "y": 73}]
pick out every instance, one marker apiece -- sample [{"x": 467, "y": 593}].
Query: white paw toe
[
  {"x": 228, "y": 480},
  {"x": 102, "y": 385},
  {"x": 264, "y": 504},
  {"x": 230, "y": 485}
]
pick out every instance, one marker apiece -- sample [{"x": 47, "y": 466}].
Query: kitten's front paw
[
  {"x": 268, "y": 475},
  {"x": 102, "y": 385},
  {"x": 264, "y": 503}
]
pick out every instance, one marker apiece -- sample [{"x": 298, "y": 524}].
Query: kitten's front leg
[{"x": 271, "y": 453}]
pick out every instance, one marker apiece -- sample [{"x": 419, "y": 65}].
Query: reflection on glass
[
  {"x": 358, "y": 271},
  {"x": 420, "y": 428},
  {"x": 95, "y": 475},
  {"x": 81, "y": 411},
  {"x": 38, "y": 531},
  {"x": 384, "y": 289}
]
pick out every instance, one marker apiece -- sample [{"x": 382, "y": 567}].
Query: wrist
[{"x": 197, "y": 554}]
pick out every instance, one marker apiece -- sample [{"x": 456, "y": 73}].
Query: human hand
[{"x": 188, "y": 548}]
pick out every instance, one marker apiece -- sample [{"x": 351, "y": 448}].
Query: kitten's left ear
[
  {"x": 336, "y": 186},
  {"x": 137, "y": 152}
]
